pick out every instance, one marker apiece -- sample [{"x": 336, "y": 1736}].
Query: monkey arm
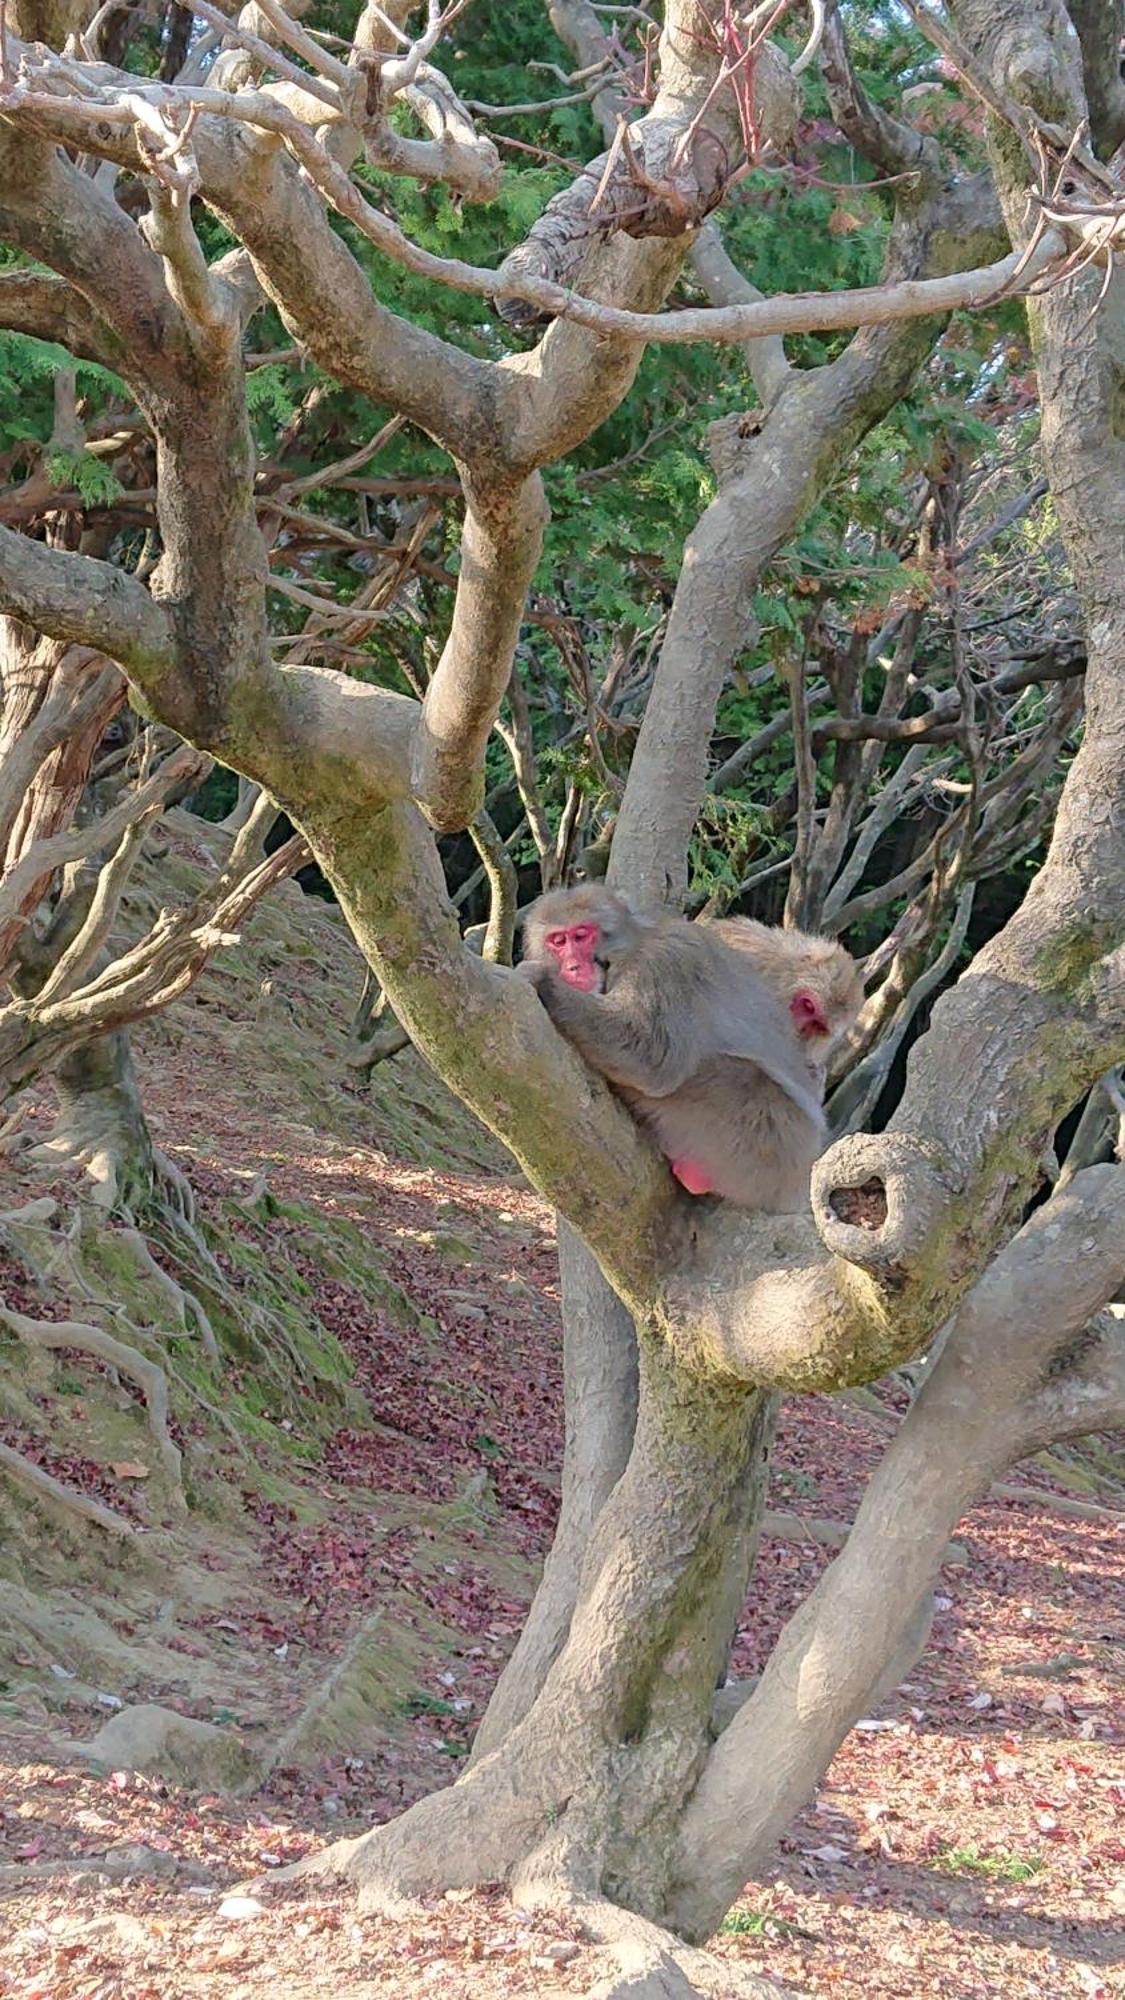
[
  {"x": 625, "y": 1034},
  {"x": 758, "y": 1032}
]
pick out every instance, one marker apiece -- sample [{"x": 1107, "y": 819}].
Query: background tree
[{"x": 598, "y": 1778}]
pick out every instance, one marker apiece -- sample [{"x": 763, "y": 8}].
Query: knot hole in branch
[{"x": 862, "y": 1207}]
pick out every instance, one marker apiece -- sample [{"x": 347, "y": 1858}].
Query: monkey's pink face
[
  {"x": 573, "y": 952},
  {"x": 808, "y": 1015}
]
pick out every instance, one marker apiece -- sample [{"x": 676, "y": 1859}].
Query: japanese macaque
[
  {"x": 709, "y": 1040},
  {"x": 814, "y": 977}
]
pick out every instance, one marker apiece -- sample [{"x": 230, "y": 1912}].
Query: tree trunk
[
  {"x": 101, "y": 1122},
  {"x": 600, "y": 1401},
  {"x": 586, "y": 1789}
]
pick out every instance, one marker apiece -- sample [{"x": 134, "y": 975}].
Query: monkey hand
[
  {"x": 534, "y": 971},
  {"x": 554, "y": 993}
]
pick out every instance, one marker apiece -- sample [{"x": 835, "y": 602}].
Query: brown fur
[{"x": 691, "y": 1035}]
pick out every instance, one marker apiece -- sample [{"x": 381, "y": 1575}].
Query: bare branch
[
  {"x": 148, "y": 799},
  {"x": 499, "y": 552},
  {"x": 520, "y": 745},
  {"x": 799, "y": 313},
  {"x": 887, "y": 142},
  {"x": 851, "y": 1106}
]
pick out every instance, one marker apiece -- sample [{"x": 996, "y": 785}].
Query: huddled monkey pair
[{"x": 714, "y": 1034}]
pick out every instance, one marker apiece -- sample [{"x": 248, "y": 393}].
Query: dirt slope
[{"x": 361, "y": 1552}]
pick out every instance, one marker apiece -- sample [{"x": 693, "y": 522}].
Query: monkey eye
[
  {"x": 582, "y": 933},
  {"x": 807, "y": 1008},
  {"x": 556, "y": 940}
]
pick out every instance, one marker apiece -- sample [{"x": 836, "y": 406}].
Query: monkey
[
  {"x": 696, "y": 1035},
  {"x": 816, "y": 978}
]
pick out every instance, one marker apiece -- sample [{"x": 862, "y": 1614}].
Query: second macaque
[
  {"x": 713, "y": 1034},
  {"x": 815, "y": 978}
]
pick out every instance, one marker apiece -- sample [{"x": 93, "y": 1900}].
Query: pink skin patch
[
  {"x": 573, "y": 952},
  {"x": 808, "y": 1014},
  {"x": 693, "y": 1176}
]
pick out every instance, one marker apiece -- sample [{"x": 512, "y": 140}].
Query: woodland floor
[{"x": 969, "y": 1839}]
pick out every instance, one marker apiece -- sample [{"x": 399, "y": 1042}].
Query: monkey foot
[{"x": 692, "y": 1176}]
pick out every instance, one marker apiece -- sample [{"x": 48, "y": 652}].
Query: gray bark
[{"x": 600, "y": 1402}]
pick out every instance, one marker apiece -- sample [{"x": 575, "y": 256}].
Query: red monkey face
[
  {"x": 808, "y": 1015},
  {"x": 573, "y": 952}
]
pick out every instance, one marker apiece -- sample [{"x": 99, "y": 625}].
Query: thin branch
[
  {"x": 730, "y": 325},
  {"x": 889, "y": 143},
  {"x": 35, "y": 302},
  {"x": 503, "y": 890},
  {"x": 852, "y": 1103},
  {"x": 47, "y": 855}
]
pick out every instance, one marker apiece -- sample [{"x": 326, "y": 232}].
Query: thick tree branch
[
  {"x": 36, "y": 303},
  {"x": 767, "y": 480},
  {"x": 499, "y": 551},
  {"x": 725, "y": 285},
  {"x": 506, "y": 1061},
  {"x": 1041, "y": 1012},
  {"x": 890, "y": 144},
  {"x": 91, "y": 603}
]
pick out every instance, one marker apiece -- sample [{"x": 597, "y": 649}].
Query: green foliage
[
  {"x": 728, "y": 832},
  {"x": 27, "y": 369},
  {"x": 94, "y": 481},
  {"x": 271, "y": 394},
  {"x": 421, "y": 1703},
  {"x": 757, "y": 1923},
  {"x": 998, "y": 1867}
]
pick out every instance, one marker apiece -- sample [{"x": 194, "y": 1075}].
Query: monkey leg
[{"x": 692, "y": 1175}]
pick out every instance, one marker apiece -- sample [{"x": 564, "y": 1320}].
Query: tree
[{"x": 598, "y": 1777}]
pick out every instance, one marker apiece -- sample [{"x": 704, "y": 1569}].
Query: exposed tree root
[
  {"x": 176, "y": 1189},
  {"x": 44, "y": 1486},
  {"x": 654, "y": 1965},
  {"x": 33, "y": 1214},
  {"x": 185, "y": 1306},
  {"x": 150, "y": 1379},
  {"x": 784, "y": 1527},
  {"x": 290, "y": 1740},
  {"x": 469, "y": 1833},
  {"x": 1054, "y": 1503},
  {"x": 116, "y": 1865}
]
